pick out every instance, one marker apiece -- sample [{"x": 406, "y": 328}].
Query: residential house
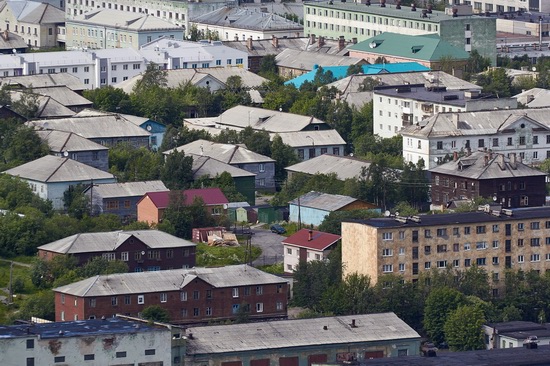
[
  {"x": 107, "y": 129},
  {"x": 86, "y": 342},
  {"x": 151, "y": 206},
  {"x": 257, "y": 49},
  {"x": 206, "y": 166},
  {"x": 8, "y": 112},
  {"x": 193, "y": 295},
  {"x": 402, "y": 106},
  {"x": 510, "y": 6},
  {"x": 292, "y": 63},
  {"x": 534, "y": 98},
  {"x": 512, "y": 334},
  {"x": 141, "y": 250},
  {"x": 47, "y": 106},
  {"x": 494, "y": 241},
  {"x": 357, "y": 90},
  {"x": 239, "y": 23},
  {"x": 506, "y": 181},
  {"x": 297, "y": 342},
  {"x": 344, "y": 167},
  {"x": 109, "y": 28},
  {"x": 312, "y": 208},
  {"x": 121, "y": 198},
  {"x": 44, "y": 80},
  {"x": 363, "y": 22},
  {"x": 339, "y": 72},
  {"x": 521, "y": 131},
  {"x": 50, "y": 176},
  {"x": 236, "y": 155},
  {"x": 64, "y": 95},
  {"x": 428, "y": 50},
  {"x": 10, "y": 41},
  {"x": 73, "y": 146},
  {"x": 309, "y": 144},
  {"x": 37, "y": 23},
  {"x": 307, "y": 245}
]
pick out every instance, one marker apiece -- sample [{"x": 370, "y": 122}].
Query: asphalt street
[{"x": 270, "y": 243}]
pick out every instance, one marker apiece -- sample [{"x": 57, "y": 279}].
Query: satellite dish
[
  {"x": 65, "y": 153},
  {"x": 436, "y": 159},
  {"x": 387, "y": 213},
  {"x": 143, "y": 252},
  {"x": 372, "y": 45},
  {"x": 396, "y": 213},
  {"x": 534, "y": 68},
  {"x": 15, "y": 53},
  {"x": 149, "y": 128}
]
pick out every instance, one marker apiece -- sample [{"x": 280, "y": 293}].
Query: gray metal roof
[
  {"x": 497, "y": 166},
  {"x": 304, "y": 60},
  {"x": 13, "y": 41},
  {"x": 129, "y": 21},
  {"x": 129, "y": 189},
  {"x": 298, "y": 333},
  {"x": 91, "y": 124},
  {"x": 344, "y": 167},
  {"x": 227, "y": 153},
  {"x": 110, "y": 241},
  {"x": 170, "y": 280},
  {"x": 316, "y": 138},
  {"x": 323, "y": 201},
  {"x": 47, "y": 106},
  {"x": 208, "y": 166},
  {"x": 263, "y": 47},
  {"x": 534, "y": 98},
  {"x": 35, "y": 12},
  {"x": 63, "y": 95},
  {"x": 27, "y": 81},
  {"x": 51, "y": 169},
  {"x": 61, "y": 141}
]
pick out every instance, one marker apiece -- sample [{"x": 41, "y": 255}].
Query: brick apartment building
[
  {"x": 198, "y": 295},
  {"x": 493, "y": 240},
  {"x": 141, "y": 250}
]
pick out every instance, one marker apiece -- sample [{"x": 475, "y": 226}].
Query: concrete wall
[
  {"x": 308, "y": 216},
  {"x": 98, "y": 159},
  {"x": 233, "y": 34},
  {"x": 267, "y": 174},
  {"x": 481, "y": 35},
  {"x": 54, "y": 191},
  {"x": 360, "y": 250}
]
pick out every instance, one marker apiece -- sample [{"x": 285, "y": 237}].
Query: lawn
[{"x": 222, "y": 256}]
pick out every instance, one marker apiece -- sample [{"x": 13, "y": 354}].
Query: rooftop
[
  {"x": 128, "y": 189},
  {"x": 169, "y": 280},
  {"x": 323, "y": 201},
  {"x": 110, "y": 241},
  {"x": 35, "y": 12},
  {"x": 312, "y": 239},
  {"x": 124, "y": 21},
  {"x": 208, "y": 166},
  {"x": 534, "y": 98},
  {"x": 210, "y": 196},
  {"x": 345, "y": 167},
  {"x": 61, "y": 141},
  {"x": 282, "y": 334},
  {"x": 312, "y": 138},
  {"x": 262, "y": 47},
  {"x": 304, "y": 60},
  {"x": 45, "y": 80}
]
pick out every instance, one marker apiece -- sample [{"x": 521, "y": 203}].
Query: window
[
  {"x": 260, "y": 307},
  {"x": 124, "y": 256},
  {"x": 114, "y": 300},
  {"x": 495, "y": 244},
  {"x": 439, "y": 145},
  {"x": 259, "y": 290},
  {"x": 401, "y": 267},
  {"x": 521, "y": 226},
  {"x": 495, "y": 142},
  {"x": 427, "y": 250},
  {"x": 480, "y": 229},
  {"x": 467, "y": 230},
  {"x": 113, "y": 80},
  {"x": 441, "y": 232},
  {"x": 427, "y": 233},
  {"x": 481, "y": 143},
  {"x": 495, "y": 261},
  {"x": 136, "y": 66},
  {"x": 196, "y": 295},
  {"x": 387, "y": 236},
  {"x": 196, "y": 312},
  {"x": 86, "y": 81},
  {"x": 163, "y": 297},
  {"x": 92, "y": 302},
  {"x": 149, "y": 352},
  {"x": 535, "y": 225},
  {"x": 125, "y": 67},
  {"x": 121, "y": 354},
  {"x": 456, "y": 263},
  {"x": 467, "y": 262},
  {"x": 495, "y": 228},
  {"x": 441, "y": 264},
  {"x": 89, "y": 357},
  {"x": 535, "y": 242},
  {"x": 289, "y": 251},
  {"x": 59, "y": 359},
  {"x": 520, "y": 242},
  {"x": 467, "y": 246},
  {"x": 427, "y": 265},
  {"x": 522, "y": 140},
  {"x": 480, "y": 245},
  {"x": 535, "y": 257},
  {"x": 456, "y": 247},
  {"x": 387, "y": 252},
  {"x": 30, "y": 343},
  {"x": 386, "y": 268},
  {"x": 521, "y": 259},
  {"x": 127, "y": 300},
  {"x": 456, "y": 231},
  {"x": 141, "y": 299},
  {"x": 235, "y": 292},
  {"x": 109, "y": 256},
  {"x": 208, "y": 311},
  {"x": 246, "y": 291}
]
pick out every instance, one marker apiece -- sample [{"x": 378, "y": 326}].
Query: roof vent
[
  {"x": 508, "y": 212},
  {"x": 325, "y": 327},
  {"x": 416, "y": 219}
]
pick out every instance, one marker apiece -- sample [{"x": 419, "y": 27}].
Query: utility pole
[{"x": 11, "y": 282}]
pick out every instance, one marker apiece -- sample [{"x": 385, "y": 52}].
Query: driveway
[{"x": 270, "y": 243}]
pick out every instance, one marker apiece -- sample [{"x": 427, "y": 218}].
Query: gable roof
[
  {"x": 244, "y": 18},
  {"x": 285, "y": 334},
  {"x": 208, "y": 166},
  {"x": 61, "y": 141},
  {"x": 344, "y": 167},
  {"x": 323, "y": 201},
  {"x": 110, "y": 241},
  {"x": 319, "y": 239},
  {"x": 227, "y": 153},
  {"x": 10, "y": 40},
  {"x": 61, "y": 79},
  {"x": 52, "y": 169},
  {"x": 429, "y": 47},
  {"x": 304, "y": 60},
  {"x": 535, "y": 97},
  {"x": 210, "y": 196},
  {"x": 169, "y": 280},
  {"x": 35, "y": 12},
  {"x": 317, "y": 138},
  {"x": 128, "y": 189},
  {"x": 124, "y": 20},
  {"x": 47, "y": 106},
  {"x": 263, "y": 47},
  {"x": 482, "y": 165},
  {"x": 63, "y": 95}
]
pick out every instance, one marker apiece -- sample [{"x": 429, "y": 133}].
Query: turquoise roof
[
  {"x": 429, "y": 47},
  {"x": 340, "y": 72}
]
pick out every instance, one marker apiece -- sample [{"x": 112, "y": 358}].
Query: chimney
[
  {"x": 500, "y": 160},
  {"x": 6, "y": 35},
  {"x": 513, "y": 160},
  {"x": 398, "y": 5},
  {"x": 468, "y": 151},
  {"x": 354, "y": 40},
  {"x": 275, "y": 41},
  {"x": 413, "y": 7},
  {"x": 455, "y": 118},
  {"x": 236, "y": 37},
  {"x": 353, "y": 325},
  {"x": 455, "y": 156},
  {"x": 310, "y": 235},
  {"x": 311, "y": 38},
  {"x": 320, "y": 41},
  {"x": 430, "y": 7},
  {"x": 249, "y": 44},
  {"x": 341, "y": 43},
  {"x": 382, "y": 3},
  {"x": 486, "y": 159},
  {"x": 455, "y": 12}
]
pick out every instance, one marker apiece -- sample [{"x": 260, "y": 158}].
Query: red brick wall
[
  {"x": 66, "y": 304},
  {"x": 148, "y": 212},
  {"x": 221, "y": 303}
]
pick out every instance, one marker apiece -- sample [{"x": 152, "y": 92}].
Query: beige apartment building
[{"x": 492, "y": 240}]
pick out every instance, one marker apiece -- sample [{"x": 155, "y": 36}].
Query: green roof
[{"x": 429, "y": 47}]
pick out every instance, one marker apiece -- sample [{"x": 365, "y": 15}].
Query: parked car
[
  {"x": 277, "y": 229},
  {"x": 428, "y": 349}
]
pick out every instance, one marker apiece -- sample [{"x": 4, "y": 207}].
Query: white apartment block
[
  {"x": 98, "y": 68},
  {"x": 525, "y": 132},
  {"x": 480, "y": 6},
  {"x": 398, "y": 107}
]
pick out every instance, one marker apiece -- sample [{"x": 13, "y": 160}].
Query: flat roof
[{"x": 421, "y": 93}]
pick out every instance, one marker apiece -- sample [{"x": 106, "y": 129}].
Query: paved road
[{"x": 270, "y": 243}]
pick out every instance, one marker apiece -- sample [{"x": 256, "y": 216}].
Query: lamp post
[{"x": 312, "y": 150}]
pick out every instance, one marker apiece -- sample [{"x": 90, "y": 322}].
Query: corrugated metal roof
[
  {"x": 316, "y": 138},
  {"x": 35, "y": 12},
  {"x": 63, "y": 95},
  {"x": 312, "y": 239},
  {"x": 61, "y": 141},
  {"x": 123, "y": 20},
  {"x": 243, "y": 18},
  {"x": 323, "y": 201},
  {"x": 534, "y": 98},
  {"x": 263, "y": 47},
  {"x": 304, "y": 60},
  {"x": 344, "y": 167},
  {"x": 207, "y": 166},
  {"x": 227, "y": 153},
  {"x": 109, "y": 241},
  {"x": 298, "y": 333},
  {"x": 128, "y": 189},
  {"x": 47, "y": 106},
  {"x": 63, "y": 79},
  {"x": 51, "y": 169},
  {"x": 170, "y": 280},
  {"x": 210, "y": 196}
]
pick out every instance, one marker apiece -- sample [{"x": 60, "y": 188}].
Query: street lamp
[{"x": 312, "y": 140}]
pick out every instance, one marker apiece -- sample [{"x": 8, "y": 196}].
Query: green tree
[
  {"x": 41, "y": 305},
  {"x": 109, "y": 99},
  {"x": 354, "y": 69},
  {"x": 131, "y": 164},
  {"x": 439, "y": 305},
  {"x": 101, "y": 266},
  {"x": 76, "y": 202},
  {"x": 268, "y": 67},
  {"x": 177, "y": 172},
  {"x": 496, "y": 82},
  {"x": 284, "y": 156},
  {"x": 333, "y": 222},
  {"x": 175, "y": 137},
  {"x": 463, "y": 329},
  {"x": 28, "y": 103},
  {"x": 21, "y": 145},
  {"x": 156, "y": 313}
]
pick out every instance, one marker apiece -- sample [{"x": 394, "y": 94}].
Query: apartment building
[
  {"x": 493, "y": 240},
  {"x": 481, "y": 6},
  {"x": 197, "y": 295},
  {"x": 353, "y": 20},
  {"x": 525, "y": 132},
  {"x": 402, "y": 106}
]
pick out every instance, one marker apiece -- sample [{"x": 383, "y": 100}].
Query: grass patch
[
  {"x": 21, "y": 278},
  {"x": 222, "y": 256},
  {"x": 276, "y": 269}
]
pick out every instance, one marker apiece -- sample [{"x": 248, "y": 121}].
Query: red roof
[
  {"x": 319, "y": 239},
  {"x": 210, "y": 196}
]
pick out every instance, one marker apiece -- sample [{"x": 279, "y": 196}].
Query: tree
[
  {"x": 268, "y": 67},
  {"x": 28, "y": 103},
  {"x": 76, "y": 202},
  {"x": 333, "y": 221},
  {"x": 496, "y": 82},
  {"x": 439, "y": 305},
  {"x": 476, "y": 64},
  {"x": 101, "y": 266},
  {"x": 21, "y": 144},
  {"x": 284, "y": 156},
  {"x": 156, "y": 313},
  {"x": 177, "y": 171},
  {"x": 109, "y": 99},
  {"x": 40, "y": 305},
  {"x": 463, "y": 329},
  {"x": 354, "y": 69},
  {"x": 131, "y": 164}
]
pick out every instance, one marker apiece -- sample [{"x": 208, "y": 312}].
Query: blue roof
[{"x": 339, "y": 72}]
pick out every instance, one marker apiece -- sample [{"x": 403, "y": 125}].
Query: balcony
[
  {"x": 407, "y": 119},
  {"x": 427, "y": 108}
]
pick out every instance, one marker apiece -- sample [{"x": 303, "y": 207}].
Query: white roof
[
  {"x": 61, "y": 141},
  {"x": 124, "y": 20},
  {"x": 312, "y": 138},
  {"x": 128, "y": 189},
  {"x": 344, "y": 167},
  {"x": 227, "y": 153}
]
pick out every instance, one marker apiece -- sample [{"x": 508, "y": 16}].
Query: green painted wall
[{"x": 247, "y": 187}]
